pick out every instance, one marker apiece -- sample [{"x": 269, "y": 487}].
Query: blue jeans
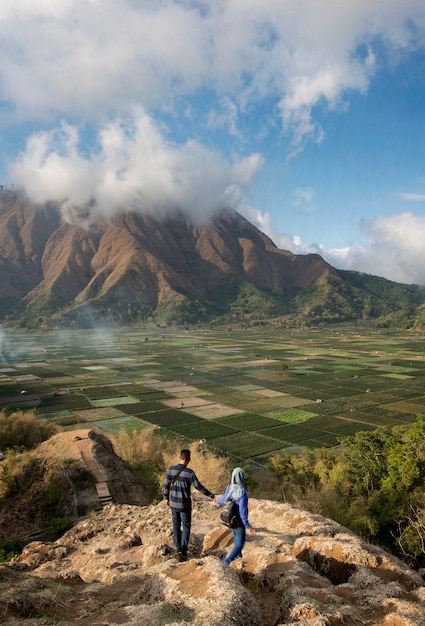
[
  {"x": 181, "y": 529},
  {"x": 239, "y": 535}
]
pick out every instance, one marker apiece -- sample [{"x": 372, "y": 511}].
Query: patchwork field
[{"x": 249, "y": 393}]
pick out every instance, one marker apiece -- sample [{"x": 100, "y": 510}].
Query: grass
[{"x": 290, "y": 415}]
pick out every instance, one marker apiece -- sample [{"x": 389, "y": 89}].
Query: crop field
[{"x": 249, "y": 393}]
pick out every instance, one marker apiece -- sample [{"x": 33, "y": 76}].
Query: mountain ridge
[{"x": 136, "y": 266}]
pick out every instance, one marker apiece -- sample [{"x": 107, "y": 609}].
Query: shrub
[
  {"x": 148, "y": 450},
  {"x": 22, "y": 429},
  {"x": 16, "y": 472},
  {"x": 58, "y": 527},
  {"x": 139, "y": 448},
  {"x": 11, "y": 548},
  {"x": 213, "y": 471}
]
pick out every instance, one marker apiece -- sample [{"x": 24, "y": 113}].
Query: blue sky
[{"x": 307, "y": 116}]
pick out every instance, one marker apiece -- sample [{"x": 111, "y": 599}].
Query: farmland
[{"x": 249, "y": 393}]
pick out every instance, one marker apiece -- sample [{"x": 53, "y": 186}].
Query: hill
[
  {"x": 118, "y": 566},
  {"x": 66, "y": 476},
  {"x": 136, "y": 267}
]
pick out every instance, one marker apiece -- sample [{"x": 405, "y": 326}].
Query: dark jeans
[
  {"x": 239, "y": 535},
  {"x": 181, "y": 529}
]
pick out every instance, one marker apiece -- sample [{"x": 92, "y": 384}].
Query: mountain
[
  {"x": 136, "y": 266},
  {"x": 118, "y": 565}
]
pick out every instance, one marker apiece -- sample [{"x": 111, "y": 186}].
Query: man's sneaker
[{"x": 182, "y": 557}]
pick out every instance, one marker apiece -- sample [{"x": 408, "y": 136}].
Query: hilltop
[{"x": 118, "y": 565}]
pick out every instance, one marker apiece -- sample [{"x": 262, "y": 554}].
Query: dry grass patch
[
  {"x": 92, "y": 415},
  {"x": 212, "y": 470},
  {"x": 215, "y": 410},
  {"x": 270, "y": 393},
  {"x": 178, "y": 403}
]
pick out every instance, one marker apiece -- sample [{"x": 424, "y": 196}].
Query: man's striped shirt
[{"x": 178, "y": 492}]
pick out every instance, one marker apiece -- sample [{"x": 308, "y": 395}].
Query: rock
[{"x": 299, "y": 568}]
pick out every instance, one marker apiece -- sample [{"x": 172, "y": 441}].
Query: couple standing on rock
[{"x": 178, "y": 482}]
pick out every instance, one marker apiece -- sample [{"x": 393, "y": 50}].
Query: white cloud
[
  {"x": 303, "y": 200},
  {"x": 134, "y": 167},
  {"x": 76, "y": 57},
  {"x": 393, "y": 247},
  {"x": 284, "y": 241},
  {"x": 412, "y": 197},
  {"x": 209, "y": 64}
]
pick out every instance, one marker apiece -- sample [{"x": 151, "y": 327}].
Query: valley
[{"x": 247, "y": 393}]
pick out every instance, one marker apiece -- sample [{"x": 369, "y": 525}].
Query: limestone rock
[{"x": 120, "y": 567}]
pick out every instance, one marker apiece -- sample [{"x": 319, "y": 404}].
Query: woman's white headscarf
[{"x": 237, "y": 485}]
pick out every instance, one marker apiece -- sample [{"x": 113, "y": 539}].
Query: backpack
[{"x": 230, "y": 514}]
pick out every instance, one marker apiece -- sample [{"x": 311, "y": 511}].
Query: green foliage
[
  {"x": 25, "y": 476},
  {"x": 243, "y": 298},
  {"x": 11, "y": 548},
  {"x": 373, "y": 484},
  {"x": 16, "y": 473},
  {"x": 57, "y": 527},
  {"x": 396, "y": 295},
  {"x": 7, "y": 471},
  {"x": 148, "y": 475},
  {"x": 406, "y": 318},
  {"x": 53, "y": 493},
  {"x": 82, "y": 478},
  {"x": 365, "y": 457},
  {"x": 183, "y": 309},
  {"x": 348, "y": 295}
]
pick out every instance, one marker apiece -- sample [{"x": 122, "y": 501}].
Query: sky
[{"x": 306, "y": 116}]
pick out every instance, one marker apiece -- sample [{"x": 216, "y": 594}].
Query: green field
[{"x": 249, "y": 393}]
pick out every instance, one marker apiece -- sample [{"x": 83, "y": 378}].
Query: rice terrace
[{"x": 249, "y": 393}]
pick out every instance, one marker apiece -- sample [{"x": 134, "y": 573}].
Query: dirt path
[{"x": 77, "y": 445}]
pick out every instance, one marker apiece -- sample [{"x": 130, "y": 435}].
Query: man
[{"x": 177, "y": 495}]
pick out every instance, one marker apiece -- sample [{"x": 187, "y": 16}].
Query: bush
[
  {"x": 11, "y": 548},
  {"x": 373, "y": 484},
  {"x": 152, "y": 454},
  {"x": 58, "y": 527},
  {"x": 16, "y": 472},
  {"x": 22, "y": 429},
  {"x": 212, "y": 470}
]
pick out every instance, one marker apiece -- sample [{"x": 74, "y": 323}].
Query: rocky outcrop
[
  {"x": 86, "y": 474},
  {"x": 121, "y": 568}
]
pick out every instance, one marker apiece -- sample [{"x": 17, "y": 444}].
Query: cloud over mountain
[
  {"x": 116, "y": 103},
  {"x": 132, "y": 167}
]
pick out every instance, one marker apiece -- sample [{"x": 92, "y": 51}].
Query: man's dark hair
[{"x": 185, "y": 455}]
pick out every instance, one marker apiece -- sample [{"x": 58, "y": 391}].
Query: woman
[{"x": 236, "y": 491}]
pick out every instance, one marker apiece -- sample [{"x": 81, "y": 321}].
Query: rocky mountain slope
[
  {"x": 118, "y": 566},
  {"x": 133, "y": 252},
  {"x": 135, "y": 266}
]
